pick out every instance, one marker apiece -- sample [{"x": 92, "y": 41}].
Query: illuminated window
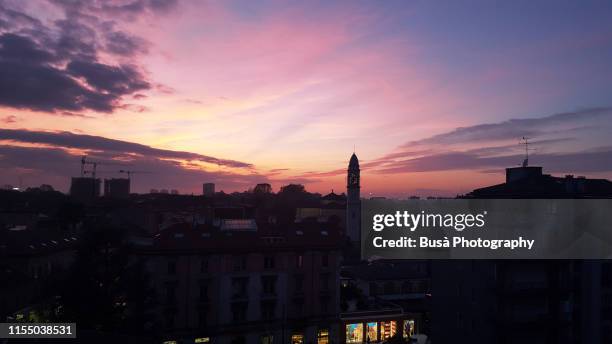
[
  {"x": 297, "y": 338},
  {"x": 372, "y": 334},
  {"x": 388, "y": 329},
  {"x": 409, "y": 329},
  {"x": 323, "y": 336},
  {"x": 354, "y": 333},
  {"x": 202, "y": 340}
]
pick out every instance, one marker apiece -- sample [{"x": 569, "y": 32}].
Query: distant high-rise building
[
  {"x": 353, "y": 201},
  {"x": 262, "y": 188},
  {"x": 208, "y": 189},
  {"x": 117, "y": 187},
  {"x": 174, "y": 192},
  {"x": 85, "y": 188}
]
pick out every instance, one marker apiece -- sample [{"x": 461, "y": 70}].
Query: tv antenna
[{"x": 525, "y": 141}]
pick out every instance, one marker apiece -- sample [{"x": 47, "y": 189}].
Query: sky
[{"x": 433, "y": 97}]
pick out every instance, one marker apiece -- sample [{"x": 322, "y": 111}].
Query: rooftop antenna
[{"x": 525, "y": 141}]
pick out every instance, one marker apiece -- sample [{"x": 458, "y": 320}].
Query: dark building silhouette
[
  {"x": 530, "y": 182},
  {"x": 117, "y": 187},
  {"x": 263, "y": 188},
  {"x": 208, "y": 189},
  {"x": 526, "y": 301},
  {"x": 85, "y": 189}
]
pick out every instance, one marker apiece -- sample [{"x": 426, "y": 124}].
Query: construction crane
[
  {"x": 94, "y": 165},
  {"x": 129, "y": 172}
]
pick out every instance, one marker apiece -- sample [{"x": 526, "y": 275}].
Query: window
[
  {"x": 299, "y": 260},
  {"x": 372, "y": 334},
  {"x": 202, "y": 317},
  {"x": 268, "y": 310},
  {"x": 204, "y": 291},
  {"x": 389, "y": 288},
  {"x": 297, "y": 338},
  {"x": 204, "y": 265},
  {"x": 324, "y": 281},
  {"x": 323, "y": 336},
  {"x": 299, "y": 283},
  {"x": 387, "y": 329},
  {"x": 170, "y": 292},
  {"x": 324, "y": 260},
  {"x": 239, "y": 287},
  {"x": 354, "y": 333},
  {"x": 238, "y": 340},
  {"x": 171, "y": 267},
  {"x": 409, "y": 328},
  {"x": 169, "y": 320},
  {"x": 269, "y": 262},
  {"x": 324, "y": 302},
  {"x": 268, "y": 284},
  {"x": 298, "y": 306},
  {"x": 240, "y": 263},
  {"x": 267, "y": 339},
  {"x": 373, "y": 289},
  {"x": 239, "y": 310}
]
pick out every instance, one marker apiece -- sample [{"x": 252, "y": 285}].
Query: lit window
[
  {"x": 372, "y": 334},
  {"x": 297, "y": 338},
  {"x": 323, "y": 336},
  {"x": 354, "y": 333},
  {"x": 409, "y": 328},
  {"x": 388, "y": 329}
]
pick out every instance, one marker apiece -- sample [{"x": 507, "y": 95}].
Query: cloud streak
[
  {"x": 112, "y": 147},
  {"x": 493, "y": 146}
]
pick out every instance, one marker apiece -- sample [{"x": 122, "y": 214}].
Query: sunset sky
[{"x": 432, "y": 95}]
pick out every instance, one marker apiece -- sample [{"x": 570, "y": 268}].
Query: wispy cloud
[{"x": 118, "y": 148}]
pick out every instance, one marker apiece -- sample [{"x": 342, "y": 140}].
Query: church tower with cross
[{"x": 353, "y": 201}]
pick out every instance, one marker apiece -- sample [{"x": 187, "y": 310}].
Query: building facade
[{"x": 247, "y": 286}]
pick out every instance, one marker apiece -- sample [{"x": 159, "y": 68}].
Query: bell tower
[{"x": 353, "y": 202}]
